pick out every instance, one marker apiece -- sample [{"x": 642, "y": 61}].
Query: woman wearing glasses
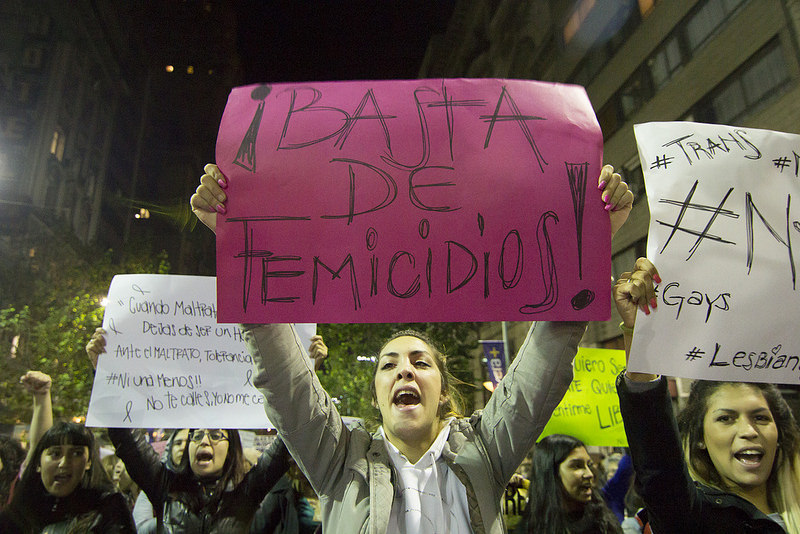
[{"x": 210, "y": 491}]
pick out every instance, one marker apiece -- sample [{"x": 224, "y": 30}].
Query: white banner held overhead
[
  {"x": 724, "y": 221},
  {"x": 168, "y": 363}
]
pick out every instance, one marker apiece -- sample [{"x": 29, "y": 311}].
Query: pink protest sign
[{"x": 406, "y": 201}]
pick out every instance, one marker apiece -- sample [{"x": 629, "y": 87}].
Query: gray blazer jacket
[{"x": 350, "y": 469}]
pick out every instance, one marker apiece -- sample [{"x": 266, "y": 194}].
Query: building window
[
  {"x": 708, "y": 19},
  {"x": 674, "y": 52},
  {"x": 57, "y": 144},
  {"x": 609, "y": 118},
  {"x": 576, "y": 19},
  {"x": 767, "y": 73},
  {"x": 665, "y": 61},
  {"x": 748, "y": 88},
  {"x": 51, "y": 194},
  {"x": 729, "y": 103},
  {"x": 617, "y": 33},
  {"x": 592, "y": 63},
  {"x": 636, "y": 91}
]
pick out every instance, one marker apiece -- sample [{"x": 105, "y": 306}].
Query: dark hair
[
  {"x": 11, "y": 454},
  {"x": 454, "y": 405},
  {"x": 546, "y": 512},
  {"x": 30, "y": 505},
  {"x": 168, "y": 450},
  {"x": 690, "y": 424},
  {"x": 233, "y": 472}
]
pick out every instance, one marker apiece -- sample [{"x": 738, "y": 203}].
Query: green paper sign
[{"x": 590, "y": 409}]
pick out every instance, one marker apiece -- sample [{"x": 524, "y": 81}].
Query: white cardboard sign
[
  {"x": 168, "y": 363},
  {"x": 724, "y": 225}
]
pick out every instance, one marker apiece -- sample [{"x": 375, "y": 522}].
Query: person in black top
[
  {"x": 210, "y": 492},
  {"x": 730, "y": 463},
  {"x": 562, "y": 497},
  {"x": 64, "y": 489}
]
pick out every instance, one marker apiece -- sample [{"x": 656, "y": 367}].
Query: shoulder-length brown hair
[{"x": 30, "y": 507}]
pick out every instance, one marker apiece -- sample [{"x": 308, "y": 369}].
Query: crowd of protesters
[{"x": 729, "y": 462}]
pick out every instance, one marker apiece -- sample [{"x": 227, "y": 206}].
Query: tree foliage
[{"x": 51, "y": 303}]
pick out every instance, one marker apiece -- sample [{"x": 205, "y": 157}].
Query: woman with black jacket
[
  {"x": 210, "y": 491},
  {"x": 562, "y": 497},
  {"x": 65, "y": 490},
  {"x": 729, "y": 463}
]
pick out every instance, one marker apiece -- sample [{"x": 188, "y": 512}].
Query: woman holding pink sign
[
  {"x": 731, "y": 460},
  {"x": 426, "y": 469}
]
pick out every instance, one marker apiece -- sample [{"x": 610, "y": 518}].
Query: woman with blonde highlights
[
  {"x": 783, "y": 482},
  {"x": 739, "y": 443}
]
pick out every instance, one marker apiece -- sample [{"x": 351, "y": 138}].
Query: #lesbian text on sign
[{"x": 724, "y": 228}]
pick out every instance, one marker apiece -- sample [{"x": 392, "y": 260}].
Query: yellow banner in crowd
[{"x": 590, "y": 409}]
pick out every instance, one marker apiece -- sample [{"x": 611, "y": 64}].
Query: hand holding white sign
[{"x": 164, "y": 361}]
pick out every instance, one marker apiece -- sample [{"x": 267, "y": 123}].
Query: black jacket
[
  {"x": 169, "y": 491},
  {"x": 675, "y": 503},
  {"x": 284, "y": 511},
  {"x": 84, "y": 510}
]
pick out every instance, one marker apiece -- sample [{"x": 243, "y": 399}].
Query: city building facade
[
  {"x": 97, "y": 141},
  {"x": 60, "y": 88},
  {"x": 731, "y": 62}
]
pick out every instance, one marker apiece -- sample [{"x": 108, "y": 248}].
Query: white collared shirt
[{"x": 429, "y": 497}]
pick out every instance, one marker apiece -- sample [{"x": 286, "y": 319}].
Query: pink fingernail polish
[
  {"x": 221, "y": 209},
  {"x": 601, "y": 186},
  {"x": 608, "y": 207},
  {"x": 657, "y": 279},
  {"x": 222, "y": 183},
  {"x": 653, "y": 303}
]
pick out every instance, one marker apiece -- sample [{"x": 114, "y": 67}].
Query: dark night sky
[
  {"x": 337, "y": 40},
  {"x": 276, "y": 41}
]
